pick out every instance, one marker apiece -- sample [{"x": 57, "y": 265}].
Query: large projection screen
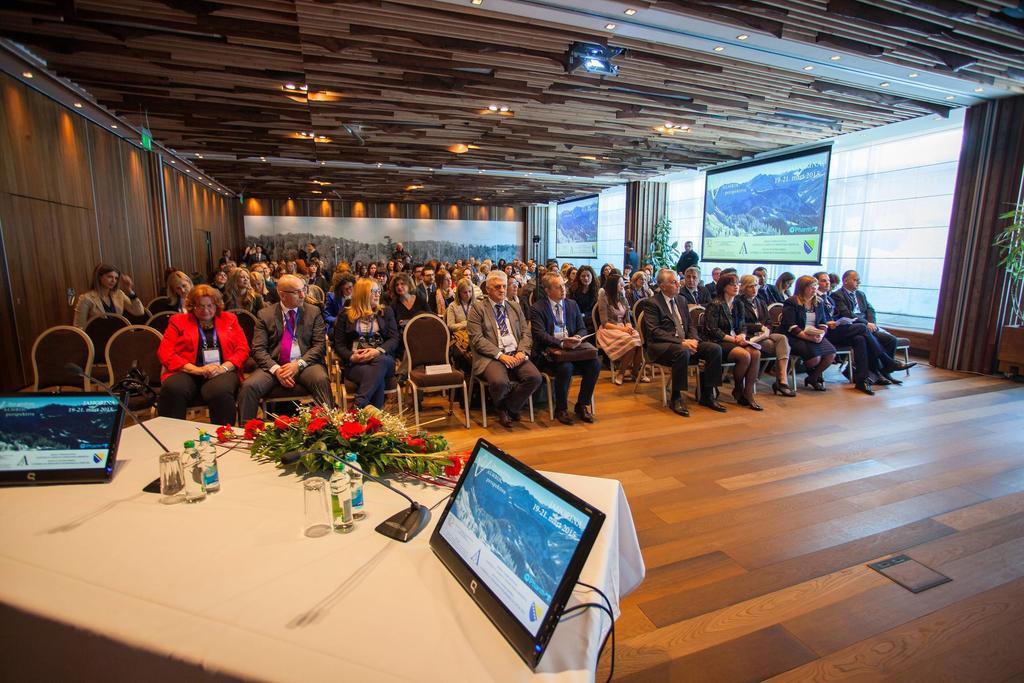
[
  {"x": 767, "y": 211},
  {"x": 576, "y": 228}
]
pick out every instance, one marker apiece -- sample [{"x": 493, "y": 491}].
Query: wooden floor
[{"x": 756, "y": 528}]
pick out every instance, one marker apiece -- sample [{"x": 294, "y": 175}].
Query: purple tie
[{"x": 285, "y": 356}]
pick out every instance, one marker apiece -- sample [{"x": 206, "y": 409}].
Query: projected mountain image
[
  {"x": 55, "y": 426},
  {"x": 531, "y": 538},
  {"x": 789, "y": 202},
  {"x": 576, "y": 228}
]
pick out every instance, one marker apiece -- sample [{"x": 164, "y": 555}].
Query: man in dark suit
[
  {"x": 289, "y": 346},
  {"x": 850, "y": 302},
  {"x": 712, "y": 286},
  {"x": 693, "y": 291},
  {"x": 672, "y": 341},
  {"x": 427, "y": 288},
  {"x": 500, "y": 338},
  {"x": 255, "y": 256},
  {"x": 688, "y": 258},
  {"x": 558, "y": 325}
]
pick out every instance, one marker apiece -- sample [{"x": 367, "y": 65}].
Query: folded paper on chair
[{"x": 438, "y": 369}]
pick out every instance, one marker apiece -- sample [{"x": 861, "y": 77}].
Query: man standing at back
[
  {"x": 289, "y": 346},
  {"x": 499, "y": 335},
  {"x": 688, "y": 259}
]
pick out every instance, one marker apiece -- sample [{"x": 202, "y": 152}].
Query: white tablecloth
[{"x": 231, "y": 584}]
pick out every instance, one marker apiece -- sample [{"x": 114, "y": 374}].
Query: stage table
[{"x": 103, "y": 581}]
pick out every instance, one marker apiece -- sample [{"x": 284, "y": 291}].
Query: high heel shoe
[
  {"x": 865, "y": 387},
  {"x": 783, "y": 389},
  {"x": 817, "y": 385},
  {"x": 740, "y": 398},
  {"x": 754, "y": 405}
]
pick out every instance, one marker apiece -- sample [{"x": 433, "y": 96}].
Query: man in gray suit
[
  {"x": 499, "y": 335},
  {"x": 289, "y": 346}
]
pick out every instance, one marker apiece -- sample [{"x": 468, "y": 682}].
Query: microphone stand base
[{"x": 405, "y": 525}]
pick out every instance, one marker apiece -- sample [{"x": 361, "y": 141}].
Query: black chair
[
  {"x": 135, "y": 346},
  {"x": 100, "y": 329},
  {"x": 426, "y": 339},
  {"x": 52, "y": 350},
  {"x": 159, "y": 321}
]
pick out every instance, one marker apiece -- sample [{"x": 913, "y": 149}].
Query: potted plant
[
  {"x": 1011, "y": 250},
  {"x": 662, "y": 253}
]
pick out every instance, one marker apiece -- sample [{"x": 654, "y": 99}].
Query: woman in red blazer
[{"x": 202, "y": 352}]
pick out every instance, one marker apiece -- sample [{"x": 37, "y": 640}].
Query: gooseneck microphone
[
  {"x": 402, "y": 526},
  {"x": 77, "y": 370}
]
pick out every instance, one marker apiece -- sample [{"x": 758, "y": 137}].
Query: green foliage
[
  {"x": 1011, "y": 250},
  {"x": 660, "y": 253}
]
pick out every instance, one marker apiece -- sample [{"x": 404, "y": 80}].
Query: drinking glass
[
  {"x": 318, "y": 508},
  {"x": 172, "y": 479}
]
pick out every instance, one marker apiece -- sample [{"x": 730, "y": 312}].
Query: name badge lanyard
[
  {"x": 291, "y": 328},
  {"x": 211, "y": 350}
]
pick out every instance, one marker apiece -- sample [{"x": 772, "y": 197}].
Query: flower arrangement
[{"x": 382, "y": 442}]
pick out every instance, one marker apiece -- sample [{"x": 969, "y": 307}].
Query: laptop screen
[
  {"x": 521, "y": 536},
  {"x": 48, "y": 435}
]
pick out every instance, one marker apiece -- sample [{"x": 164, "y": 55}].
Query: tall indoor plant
[
  {"x": 1011, "y": 251},
  {"x": 662, "y": 253}
]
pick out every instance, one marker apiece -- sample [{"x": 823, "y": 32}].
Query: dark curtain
[
  {"x": 646, "y": 202},
  {"x": 537, "y": 225},
  {"x": 973, "y": 294}
]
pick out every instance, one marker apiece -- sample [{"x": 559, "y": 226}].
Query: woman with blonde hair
[
  {"x": 112, "y": 293},
  {"x": 178, "y": 286},
  {"x": 366, "y": 340},
  {"x": 239, "y": 293},
  {"x": 755, "y": 316}
]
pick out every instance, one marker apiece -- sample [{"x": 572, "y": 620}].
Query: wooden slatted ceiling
[{"x": 398, "y": 83}]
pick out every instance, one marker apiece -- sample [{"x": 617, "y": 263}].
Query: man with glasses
[
  {"x": 499, "y": 335},
  {"x": 671, "y": 340},
  {"x": 289, "y": 346}
]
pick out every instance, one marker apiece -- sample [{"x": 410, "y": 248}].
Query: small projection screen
[
  {"x": 576, "y": 228},
  {"x": 768, "y": 210}
]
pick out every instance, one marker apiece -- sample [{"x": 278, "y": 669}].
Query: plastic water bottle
[
  {"x": 356, "y": 478},
  {"x": 341, "y": 500},
  {"x": 208, "y": 454},
  {"x": 194, "y": 490}
]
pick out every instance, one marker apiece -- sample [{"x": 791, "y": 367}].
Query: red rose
[
  {"x": 316, "y": 411},
  {"x": 225, "y": 433},
  {"x": 255, "y": 425},
  {"x": 455, "y": 468},
  {"x": 316, "y": 424},
  {"x": 284, "y": 422},
  {"x": 373, "y": 425},
  {"x": 417, "y": 444},
  {"x": 350, "y": 430}
]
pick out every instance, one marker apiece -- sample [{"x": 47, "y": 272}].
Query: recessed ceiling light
[
  {"x": 950, "y": 97},
  {"x": 114, "y": 126},
  {"x": 477, "y": 199},
  {"x": 630, "y": 12},
  {"x": 323, "y": 163},
  {"x": 808, "y": 68},
  {"x": 742, "y": 36},
  {"x": 200, "y": 156},
  {"x": 476, "y": 2},
  {"x": 303, "y": 87},
  {"x": 912, "y": 75},
  {"x": 503, "y": 109},
  {"x": 609, "y": 27},
  {"x": 493, "y": 107},
  {"x": 26, "y": 74},
  {"x": 684, "y": 127},
  {"x": 979, "y": 90},
  {"x": 668, "y": 124},
  {"x": 78, "y": 105},
  {"x": 884, "y": 84},
  {"x": 719, "y": 48},
  {"x": 379, "y": 164},
  {"x": 289, "y": 86},
  {"x": 835, "y": 58}
]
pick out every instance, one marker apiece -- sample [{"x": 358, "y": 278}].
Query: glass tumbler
[
  {"x": 318, "y": 508},
  {"x": 172, "y": 479}
]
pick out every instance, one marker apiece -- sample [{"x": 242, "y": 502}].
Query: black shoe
[
  {"x": 779, "y": 388},
  {"x": 897, "y": 366},
  {"x": 754, "y": 405},
  {"x": 865, "y": 387},
  {"x": 882, "y": 381},
  {"x": 817, "y": 385},
  {"x": 713, "y": 405},
  {"x": 505, "y": 419},
  {"x": 740, "y": 398},
  {"x": 679, "y": 407},
  {"x": 564, "y": 417},
  {"x": 583, "y": 412},
  {"x": 515, "y": 417},
  {"x": 890, "y": 379}
]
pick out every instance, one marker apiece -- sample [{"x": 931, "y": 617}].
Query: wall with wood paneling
[{"x": 73, "y": 194}]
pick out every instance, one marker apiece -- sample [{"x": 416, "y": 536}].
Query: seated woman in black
[
  {"x": 178, "y": 286},
  {"x": 584, "y": 291},
  {"x": 804, "y": 320},
  {"x": 725, "y": 325},
  {"x": 406, "y": 302},
  {"x": 366, "y": 341},
  {"x": 779, "y": 292}
]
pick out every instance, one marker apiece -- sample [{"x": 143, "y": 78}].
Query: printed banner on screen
[{"x": 576, "y": 228}]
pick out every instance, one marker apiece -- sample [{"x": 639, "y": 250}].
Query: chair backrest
[
  {"x": 159, "y": 321},
  {"x": 134, "y": 346},
  {"x": 101, "y": 328},
  {"x": 636, "y": 310},
  {"x": 160, "y": 300},
  {"x": 247, "y": 321},
  {"x": 696, "y": 316},
  {"x": 316, "y": 295},
  {"x": 596, "y": 317},
  {"x": 55, "y": 347},
  {"x": 426, "y": 340},
  {"x": 640, "y": 328},
  {"x": 774, "y": 315},
  {"x": 700, "y": 321}
]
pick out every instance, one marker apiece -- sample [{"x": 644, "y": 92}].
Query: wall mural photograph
[{"x": 374, "y": 239}]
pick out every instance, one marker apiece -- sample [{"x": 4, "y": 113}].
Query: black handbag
[
  {"x": 583, "y": 351},
  {"x": 135, "y": 385}
]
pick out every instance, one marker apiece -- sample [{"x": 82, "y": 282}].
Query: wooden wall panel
[
  {"x": 140, "y": 208},
  {"x": 179, "y": 220},
  {"x": 46, "y": 152},
  {"x": 108, "y": 191}
]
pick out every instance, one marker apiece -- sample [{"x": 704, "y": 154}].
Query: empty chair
[
  {"x": 100, "y": 329},
  {"x": 426, "y": 343},
  {"x": 135, "y": 346},
  {"x": 160, "y": 320},
  {"x": 52, "y": 350}
]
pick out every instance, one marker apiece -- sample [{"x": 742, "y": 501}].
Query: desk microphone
[
  {"x": 77, "y": 370},
  {"x": 402, "y": 526}
]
